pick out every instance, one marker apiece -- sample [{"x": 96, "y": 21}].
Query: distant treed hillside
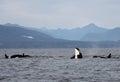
[
  {"x": 15, "y": 33},
  {"x": 15, "y": 36}
]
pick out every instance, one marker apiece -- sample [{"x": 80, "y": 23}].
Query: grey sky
[{"x": 60, "y": 13}]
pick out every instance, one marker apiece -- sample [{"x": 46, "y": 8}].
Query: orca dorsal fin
[
  {"x": 109, "y": 56},
  {"x": 6, "y": 56}
]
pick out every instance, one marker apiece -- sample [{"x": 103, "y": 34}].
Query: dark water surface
[{"x": 55, "y": 65}]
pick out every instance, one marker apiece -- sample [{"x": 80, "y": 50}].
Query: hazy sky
[{"x": 60, "y": 13}]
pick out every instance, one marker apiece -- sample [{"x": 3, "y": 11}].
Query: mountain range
[
  {"x": 89, "y": 32},
  {"x": 16, "y": 36}
]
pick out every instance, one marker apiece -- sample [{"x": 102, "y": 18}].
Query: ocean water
[{"x": 55, "y": 65}]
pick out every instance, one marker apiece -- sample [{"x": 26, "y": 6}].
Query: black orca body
[
  {"x": 109, "y": 56},
  {"x": 17, "y": 56},
  {"x": 20, "y": 56},
  {"x": 78, "y": 54},
  {"x": 73, "y": 57}
]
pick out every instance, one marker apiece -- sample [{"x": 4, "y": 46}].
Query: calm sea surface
[{"x": 55, "y": 65}]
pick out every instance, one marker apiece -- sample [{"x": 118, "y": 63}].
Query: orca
[
  {"x": 109, "y": 56},
  {"x": 17, "y": 56},
  {"x": 20, "y": 56},
  {"x": 77, "y": 55}
]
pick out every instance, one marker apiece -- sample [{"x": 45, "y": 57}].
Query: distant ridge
[
  {"x": 76, "y": 33},
  {"x": 109, "y": 35},
  {"x": 90, "y": 32},
  {"x": 14, "y": 25}
]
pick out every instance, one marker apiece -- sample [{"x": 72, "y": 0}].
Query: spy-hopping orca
[
  {"x": 77, "y": 55},
  {"x": 109, "y": 56}
]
